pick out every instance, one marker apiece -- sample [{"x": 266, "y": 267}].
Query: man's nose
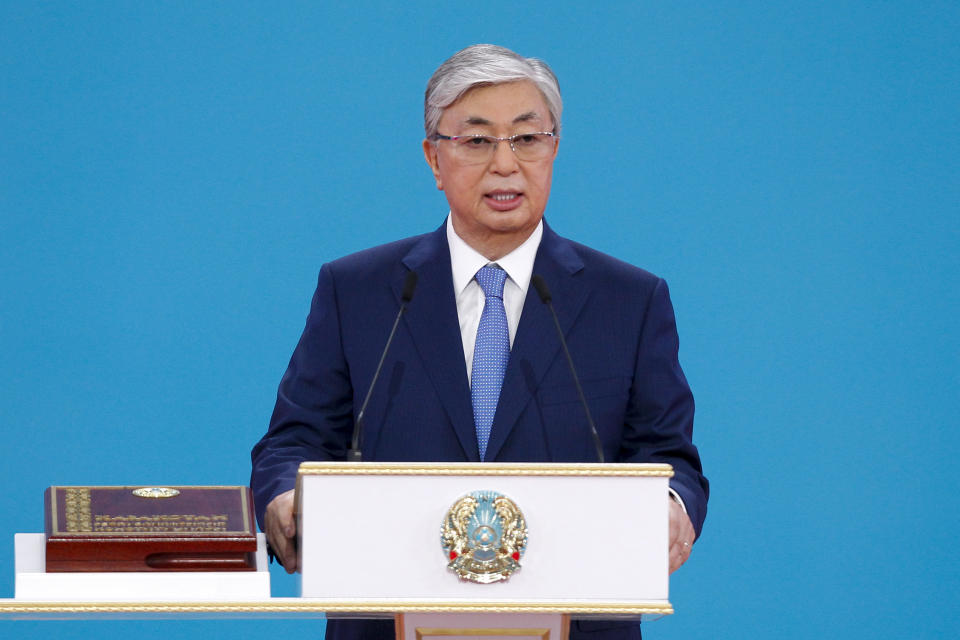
[{"x": 504, "y": 160}]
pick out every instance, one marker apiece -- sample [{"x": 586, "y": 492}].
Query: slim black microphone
[
  {"x": 409, "y": 284},
  {"x": 544, "y": 292}
]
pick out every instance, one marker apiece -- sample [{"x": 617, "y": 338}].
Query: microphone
[
  {"x": 409, "y": 284},
  {"x": 544, "y": 292}
]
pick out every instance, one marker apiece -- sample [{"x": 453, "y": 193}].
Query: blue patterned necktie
[{"x": 490, "y": 353}]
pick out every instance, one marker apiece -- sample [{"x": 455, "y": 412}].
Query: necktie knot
[{"x": 491, "y": 279}]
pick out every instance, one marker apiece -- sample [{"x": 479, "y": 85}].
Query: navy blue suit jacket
[{"x": 618, "y": 322}]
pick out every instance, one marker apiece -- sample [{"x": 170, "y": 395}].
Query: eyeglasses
[{"x": 528, "y": 147}]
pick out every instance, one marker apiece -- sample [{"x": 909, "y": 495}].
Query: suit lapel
[
  {"x": 536, "y": 343},
  {"x": 432, "y": 320}
]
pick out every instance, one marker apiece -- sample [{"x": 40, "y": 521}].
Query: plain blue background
[{"x": 172, "y": 176}]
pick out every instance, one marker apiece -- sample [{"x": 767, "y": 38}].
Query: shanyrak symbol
[{"x": 484, "y": 536}]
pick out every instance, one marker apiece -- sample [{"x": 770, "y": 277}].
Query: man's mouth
[{"x": 503, "y": 200}]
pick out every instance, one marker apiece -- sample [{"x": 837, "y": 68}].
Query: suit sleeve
[
  {"x": 659, "y": 419},
  {"x": 313, "y": 416}
]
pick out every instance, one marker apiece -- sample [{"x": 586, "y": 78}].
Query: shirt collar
[{"x": 465, "y": 261}]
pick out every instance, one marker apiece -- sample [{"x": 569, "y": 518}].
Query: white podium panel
[
  {"x": 597, "y": 534},
  {"x": 34, "y": 584}
]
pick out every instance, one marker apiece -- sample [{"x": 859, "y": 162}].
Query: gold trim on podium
[
  {"x": 312, "y": 606},
  {"x": 485, "y": 469},
  {"x": 645, "y": 470}
]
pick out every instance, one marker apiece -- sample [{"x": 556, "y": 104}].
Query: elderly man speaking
[{"x": 476, "y": 371}]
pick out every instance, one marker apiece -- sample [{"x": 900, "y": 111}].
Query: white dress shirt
[{"x": 466, "y": 261}]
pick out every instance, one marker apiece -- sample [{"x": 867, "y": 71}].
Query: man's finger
[
  {"x": 288, "y": 555},
  {"x": 674, "y": 533},
  {"x": 281, "y": 530},
  {"x": 284, "y": 547},
  {"x": 681, "y": 536},
  {"x": 679, "y": 553},
  {"x": 676, "y": 559}
]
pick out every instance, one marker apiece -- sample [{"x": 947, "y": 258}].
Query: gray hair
[{"x": 485, "y": 65}]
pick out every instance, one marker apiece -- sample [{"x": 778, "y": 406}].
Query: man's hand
[
  {"x": 281, "y": 529},
  {"x": 681, "y": 535}
]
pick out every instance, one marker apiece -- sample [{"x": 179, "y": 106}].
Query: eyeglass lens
[{"x": 529, "y": 147}]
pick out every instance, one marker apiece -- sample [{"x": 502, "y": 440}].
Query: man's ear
[{"x": 430, "y": 154}]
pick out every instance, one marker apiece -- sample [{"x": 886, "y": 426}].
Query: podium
[{"x": 370, "y": 545}]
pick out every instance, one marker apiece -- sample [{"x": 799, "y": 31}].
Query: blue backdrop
[{"x": 172, "y": 176}]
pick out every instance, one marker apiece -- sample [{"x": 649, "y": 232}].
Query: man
[{"x": 476, "y": 370}]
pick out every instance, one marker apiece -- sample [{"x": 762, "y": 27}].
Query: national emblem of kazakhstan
[{"x": 484, "y": 535}]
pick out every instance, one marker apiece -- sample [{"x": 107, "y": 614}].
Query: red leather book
[{"x": 150, "y": 529}]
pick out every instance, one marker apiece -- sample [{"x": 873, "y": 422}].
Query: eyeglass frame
[{"x": 496, "y": 140}]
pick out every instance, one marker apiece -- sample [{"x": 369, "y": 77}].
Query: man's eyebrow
[
  {"x": 526, "y": 117},
  {"x": 478, "y": 121},
  {"x": 523, "y": 117}
]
